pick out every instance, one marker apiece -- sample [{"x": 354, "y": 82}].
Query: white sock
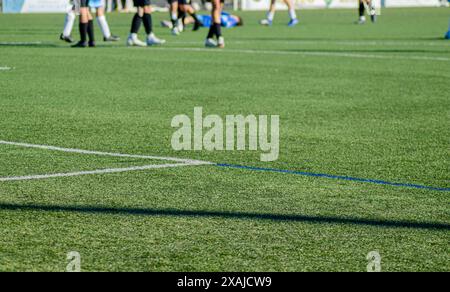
[
  {"x": 292, "y": 14},
  {"x": 104, "y": 26},
  {"x": 270, "y": 15},
  {"x": 68, "y": 24},
  {"x": 174, "y": 16}
]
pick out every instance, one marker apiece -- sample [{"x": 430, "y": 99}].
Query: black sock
[
  {"x": 218, "y": 29},
  {"x": 90, "y": 30},
  {"x": 136, "y": 24},
  {"x": 83, "y": 31},
  {"x": 182, "y": 16},
  {"x": 361, "y": 9},
  {"x": 147, "y": 19},
  {"x": 212, "y": 31},
  {"x": 195, "y": 17}
]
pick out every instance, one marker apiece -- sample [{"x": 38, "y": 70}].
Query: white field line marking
[
  {"x": 91, "y": 172},
  {"x": 5, "y": 68},
  {"x": 19, "y": 43},
  {"x": 88, "y": 152},
  {"x": 317, "y": 54},
  {"x": 338, "y": 42},
  {"x": 180, "y": 162}
]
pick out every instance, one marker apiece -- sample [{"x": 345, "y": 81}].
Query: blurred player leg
[
  {"x": 143, "y": 15},
  {"x": 85, "y": 26},
  {"x": 292, "y": 14},
  {"x": 66, "y": 35},
  {"x": 447, "y": 36},
  {"x": 173, "y": 11},
  {"x": 104, "y": 27},
  {"x": 271, "y": 13},
  {"x": 186, "y": 7},
  {"x": 362, "y": 12},
  {"x": 366, "y": 5},
  {"x": 215, "y": 30}
]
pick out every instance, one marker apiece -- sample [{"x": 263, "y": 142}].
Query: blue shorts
[{"x": 96, "y": 3}]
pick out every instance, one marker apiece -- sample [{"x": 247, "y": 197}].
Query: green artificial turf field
[{"x": 369, "y": 102}]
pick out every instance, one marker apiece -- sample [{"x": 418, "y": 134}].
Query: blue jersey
[{"x": 226, "y": 19}]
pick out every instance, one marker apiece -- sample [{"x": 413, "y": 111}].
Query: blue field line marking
[{"x": 338, "y": 177}]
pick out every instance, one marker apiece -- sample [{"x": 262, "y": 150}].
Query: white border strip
[{"x": 5, "y": 68}]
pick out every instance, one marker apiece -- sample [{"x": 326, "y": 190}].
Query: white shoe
[
  {"x": 221, "y": 42},
  {"x": 265, "y": 22},
  {"x": 133, "y": 41},
  {"x": 180, "y": 25},
  {"x": 166, "y": 23},
  {"x": 361, "y": 20},
  {"x": 210, "y": 43},
  {"x": 175, "y": 31},
  {"x": 153, "y": 40}
]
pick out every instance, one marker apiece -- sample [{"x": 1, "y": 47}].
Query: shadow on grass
[
  {"x": 227, "y": 215},
  {"x": 29, "y": 45}
]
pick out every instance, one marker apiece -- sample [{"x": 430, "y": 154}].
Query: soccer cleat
[
  {"x": 111, "y": 38},
  {"x": 80, "y": 44},
  {"x": 221, "y": 42},
  {"x": 210, "y": 43},
  {"x": 197, "y": 25},
  {"x": 153, "y": 40},
  {"x": 166, "y": 23},
  {"x": 133, "y": 41},
  {"x": 180, "y": 25},
  {"x": 175, "y": 31},
  {"x": 361, "y": 20},
  {"x": 67, "y": 39},
  {"x": 293, "y": 22},
  {"x": 91, "y": 44},
  {"x": 447, "y": 36},
  {"x": 266, "y": 22}
]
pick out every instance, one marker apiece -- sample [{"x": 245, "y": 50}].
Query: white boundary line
[
  {"x": 326, "y": 42},
  {"x": 314, "y": 54},
  {"x": 5, "y": 68},
  {"x": 20, "y": 43},
  {"x": 91, "y": 172},
  {"x": 180, "y": 162},
  {"x": 98, "y": 153}
]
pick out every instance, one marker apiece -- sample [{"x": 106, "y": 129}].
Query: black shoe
[
  {"x": 91, "y": 44},
  {"x": 67, "y": 39},
  {"x": 197, "y": 25},
  {"x": 80, "y": 44},
  {"x": 112, "y": 38}
]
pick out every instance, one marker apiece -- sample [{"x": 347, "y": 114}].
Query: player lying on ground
[
  {"x": 99, "y": 5},
  {"x": 370, "y": 7},
  {"x": 86, "y": 25},
  {"x": 447, "y": 36},
  {"x": 215, "y": 29},
  {"x": 227, "y": 20},
  {"x": 178, "y": 11},
  {"x": 271, "y": 13},
  {"x": 143, "y": 15}
]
